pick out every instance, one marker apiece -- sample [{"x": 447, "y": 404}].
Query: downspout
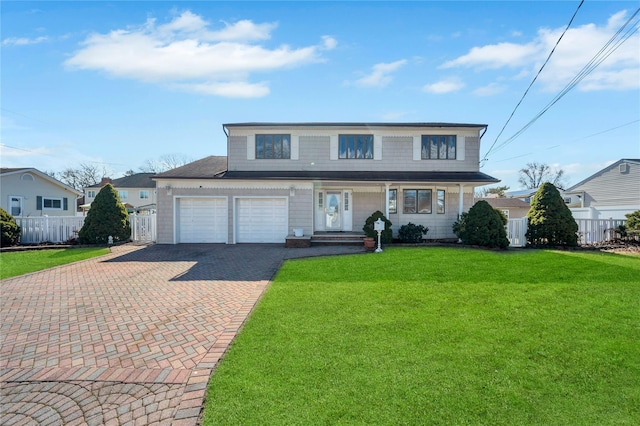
[{"x": 461, "y": 199}]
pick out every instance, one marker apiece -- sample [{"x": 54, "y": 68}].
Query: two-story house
[
  {"x": 322, "y": 177},
  {"x": 137, "y": 192}
]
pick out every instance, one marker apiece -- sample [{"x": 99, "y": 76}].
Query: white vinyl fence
[
  {"x": 35, "y": 230},
  {"x": 590, "y": 231},
  {"x": 516, "y": 230}
]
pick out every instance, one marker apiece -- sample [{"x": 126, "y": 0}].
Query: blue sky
[{"x": 116, "y": 84}]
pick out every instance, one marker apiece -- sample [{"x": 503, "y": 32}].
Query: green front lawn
[
  {"x": 439, "y": 336},
  {"x": 21, "y": 262}
]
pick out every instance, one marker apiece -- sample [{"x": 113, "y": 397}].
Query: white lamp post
[{"x": 378, "y": 226}]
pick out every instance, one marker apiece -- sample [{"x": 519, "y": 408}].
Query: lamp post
[{"x": 378, "y": 226}]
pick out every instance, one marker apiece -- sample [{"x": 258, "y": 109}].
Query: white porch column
[
  {"x": 461, "y": 199},
  {"x": 386, "y": 200}
]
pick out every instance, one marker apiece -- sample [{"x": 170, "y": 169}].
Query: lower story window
[
  {"x": 441, "y": 201},
  {"x": 417, "y": 201},
  {"x": 393, "y": 201},
  {"x": 52, "y": 203}
]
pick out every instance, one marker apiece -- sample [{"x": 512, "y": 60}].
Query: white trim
[
  {"x": 460, "y": 147},
  {"x": 251, "y": 147},
  {"x": 333, "y": 147},
  {"x": 417, "y": 147},
  {"x": 377, "y": 147},
  {"x": 294, "y": 153}
]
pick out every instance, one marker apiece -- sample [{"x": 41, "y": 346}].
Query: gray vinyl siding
[
  {"x": 300, "y": 206},
  {"x": 612, "y": 188},
  {"x": 314, "y": 154}
]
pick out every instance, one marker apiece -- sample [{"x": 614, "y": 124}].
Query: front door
[{"x": 333, "y": 211}]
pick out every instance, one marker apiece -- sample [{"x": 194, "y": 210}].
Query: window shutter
[
  {"x": 65, "y": 203},
  {"x": 39, "y": 202}
]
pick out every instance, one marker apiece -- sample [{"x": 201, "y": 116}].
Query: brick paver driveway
[{"x": 131, "y": 337}]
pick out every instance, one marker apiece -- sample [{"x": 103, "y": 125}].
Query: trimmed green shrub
[
  {"x": 9, "y": 228},
  {"x": 483, "y": 226},
  {"x": 412, "y": 233},
  {"x": 632, "y": 226},
  {"x": 107, "y": 217},
  {"x": 368, "y": 228},
  {"x": 550, "y": 220}
]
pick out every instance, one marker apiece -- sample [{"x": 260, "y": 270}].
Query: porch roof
[{"x": 350, "y": 176}]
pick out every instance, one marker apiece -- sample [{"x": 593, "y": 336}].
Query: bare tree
[
  {"x": 83, "y": 176},
  {"x": 164, "y": 163},
  {"x": 535, "y": 174},
  {"x": 498, "y": 191}
]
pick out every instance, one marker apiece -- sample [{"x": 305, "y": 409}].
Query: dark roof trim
[
  {"x": 351, "y": 124},
  {"x": 364, "y": 176}
]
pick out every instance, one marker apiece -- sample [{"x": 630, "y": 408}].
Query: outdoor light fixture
[
  {"x": 168, "y": 188},
  {"x": 292, "y": 191}
]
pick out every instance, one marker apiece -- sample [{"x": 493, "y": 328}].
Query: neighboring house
[
  {"x": 26, "y": 192},
  {"x": 525, "y": 195},
  {"x": 608, "y": 194},
  {"x": 137, "y": 192},
  {"x": 513, "y": 208},
  {"x": 322, "y": 177}
]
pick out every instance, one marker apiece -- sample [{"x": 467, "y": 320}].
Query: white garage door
[
  {"x": 262, "y": 220},
  {"x": 202, "y": 220}
]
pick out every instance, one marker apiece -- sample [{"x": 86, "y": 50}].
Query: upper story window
[
  {"x": 123, "y": 195},
  {"x": 438, "y": 147},
  {"x": 273, "y": 146},
  {"x": 356, "y": 146},
  {"x": 91, "y": 194},
  {"x": 144, "y": 194}
]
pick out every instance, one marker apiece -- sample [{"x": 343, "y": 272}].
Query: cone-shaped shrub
[
  {"x": 550, "y": 220},
  {"x": 10, "y": 229},
  {"x": 107, "y": 217},
  {"x": 482, "y": 226}
]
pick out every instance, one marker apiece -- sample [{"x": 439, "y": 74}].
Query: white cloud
[
  {"x": 238, "y": 89},
  {"x": 380, "y": 75},
  {"x": 489, "y": 89},
  {"x": 448, "y": 85},
  {"x": 186, "y": 53},
  {"x": 23, "y": 41},
  {"x": 620, "y": 71}
]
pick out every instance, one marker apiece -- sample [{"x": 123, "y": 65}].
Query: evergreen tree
[
  {"x": 550, "y": 220},
  {"x": 9, "y": 228},
  {"x": 482, "y": 226},
  {"x": 107, "y": 217}
]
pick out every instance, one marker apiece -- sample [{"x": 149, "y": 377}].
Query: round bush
[
  {"x": 483, "y": 226},
  {"x": 368, "y": 228},
  {"x": 412, "y": 233},
  {"x": 9, "y": 228}
]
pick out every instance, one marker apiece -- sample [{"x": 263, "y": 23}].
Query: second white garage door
[
  {"x": 203, "y": 220},
  {"x": 262, "y": 220}
]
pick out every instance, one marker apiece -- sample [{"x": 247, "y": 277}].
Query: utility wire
[
  {"x": 612, "y": 45},
  {"x": 533, "y": 81}
]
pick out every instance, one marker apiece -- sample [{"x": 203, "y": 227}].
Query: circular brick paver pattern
[{"x": 131, "y": 337}]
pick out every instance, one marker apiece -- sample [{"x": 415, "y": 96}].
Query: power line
[
  {"x": 612, "y": 45},
  {"x": 533, "y": 81}
]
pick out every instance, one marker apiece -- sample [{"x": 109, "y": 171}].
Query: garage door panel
[
  {"x": 262, "y": 220},
  {"x": 203, "y": 220}
]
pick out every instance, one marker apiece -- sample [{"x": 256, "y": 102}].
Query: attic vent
[
  {"x": 27, "y": 177},
  {"x": 624, "y": 168}
]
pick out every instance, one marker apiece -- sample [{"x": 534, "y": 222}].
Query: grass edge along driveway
[
  {"x": 439, "y": 336},
  {"x": 14, "y": 263}
]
